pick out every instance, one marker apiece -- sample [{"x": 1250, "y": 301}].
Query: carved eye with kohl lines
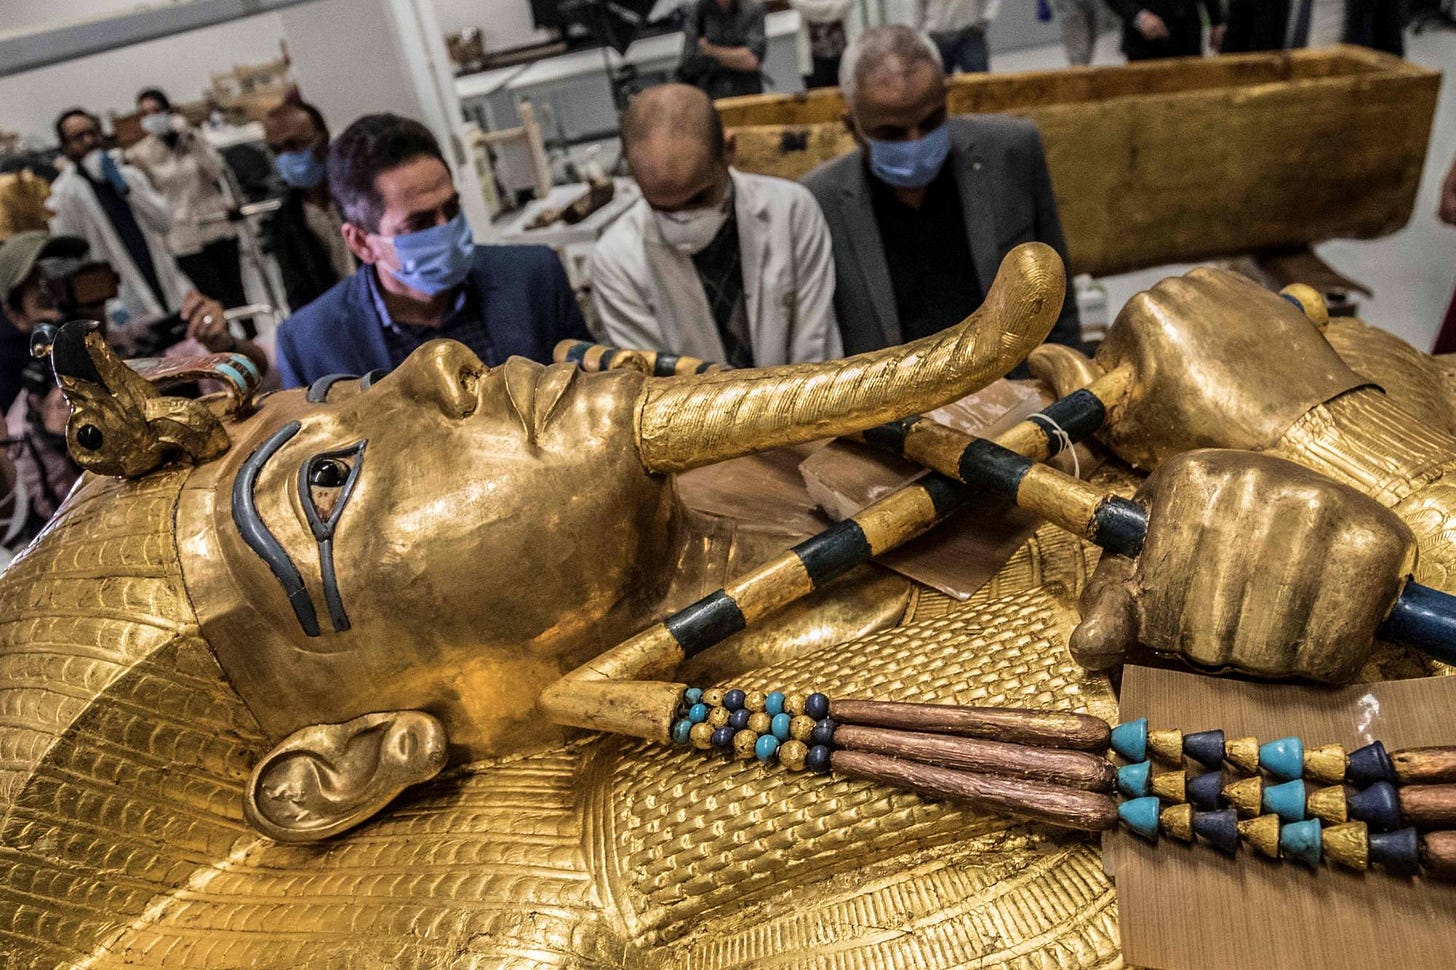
[{"x": 325, "y": 482}]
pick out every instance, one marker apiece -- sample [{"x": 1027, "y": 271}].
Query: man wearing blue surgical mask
[
  {"x": 711, "y": 262},
  {"x": 922, "y": 213},
  {"x": 421, "y": 275},
  {"x": 306, "y": 235}
]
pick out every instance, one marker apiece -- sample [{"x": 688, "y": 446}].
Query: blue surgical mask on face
[
  {"x": 436, "y": 259},
  {"x": 910, "y": 164},
  {"x": 299, "y": 170}
]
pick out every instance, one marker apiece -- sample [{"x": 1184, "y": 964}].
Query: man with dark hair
[
  {"x": 422, "y": 276},
  {"x": 122, "y": 218},
  {"x": 711, "y": 262},
  {"x": 924, "y": 211},
  {"x": 306, "y": 235}
]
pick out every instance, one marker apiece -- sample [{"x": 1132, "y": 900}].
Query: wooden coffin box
[{"x": 1178, "y": 160}]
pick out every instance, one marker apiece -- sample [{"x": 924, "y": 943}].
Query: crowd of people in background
[{"x": 895, "y": 241}]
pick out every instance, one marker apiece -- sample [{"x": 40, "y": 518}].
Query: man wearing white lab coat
[
  {"x": 145, "y": 291},
  {"x": 711, "y": 263}
]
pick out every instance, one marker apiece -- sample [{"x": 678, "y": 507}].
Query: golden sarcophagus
[{"x": 1175, "y": 161}]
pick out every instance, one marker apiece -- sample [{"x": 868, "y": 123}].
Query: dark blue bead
[
  {"x": 816, "y": 706},
  {"x": 823, "y": 732},
  {"x": 1219, "y": 829},
  {"x": 1377, "y": 806},
  {"x": 1203, "y": 790},
  {"x": 738, "y": 720},
  {"x": 818, "y": 759},
  {"x": 723, "y": 737},
  {"x": 733, "y": 700},
  {"x": 1399, "y": 852},
  {"x": 692, "y": 695},
  {"x": 1368, "y": 765},
  {"x": 1205, "y": 747}
]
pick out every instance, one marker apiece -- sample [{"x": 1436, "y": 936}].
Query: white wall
[{"x": 181, "y": 65}]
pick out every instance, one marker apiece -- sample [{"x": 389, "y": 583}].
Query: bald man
[{"x": 711, "y": 262}]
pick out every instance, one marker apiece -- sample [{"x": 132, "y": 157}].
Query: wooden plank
[{"x": 1190, "y": 908}]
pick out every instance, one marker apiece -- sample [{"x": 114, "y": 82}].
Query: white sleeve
[
  {"x": 145, "y": 201},
  {"x": 624, "y": 314}
]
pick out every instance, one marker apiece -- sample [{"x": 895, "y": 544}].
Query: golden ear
[{"x": 323, "y": 779}]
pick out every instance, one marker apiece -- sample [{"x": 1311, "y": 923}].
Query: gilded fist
[
  {"x": 1218, "y": 362},
  {"x": 1251, "y": 563}
]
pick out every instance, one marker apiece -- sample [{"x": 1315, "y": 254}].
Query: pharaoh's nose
[{"x": 444, "y": 373}]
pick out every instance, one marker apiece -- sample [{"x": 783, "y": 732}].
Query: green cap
[{"x": 19, "y": 253}]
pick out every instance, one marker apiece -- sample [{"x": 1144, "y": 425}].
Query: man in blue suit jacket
[{"x": 421, "y": 275}]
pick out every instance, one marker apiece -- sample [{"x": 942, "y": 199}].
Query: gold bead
[
  {"x": 1262, "y": 833},
  {"x": 1243, "y": 754},
  {"x": 794, "y": 704},
  {"x": 1347, "y": 844},
  {"x": 1328, "y": 804},
  {"x": 1169, "y": 786},
  {"x": 801, "y": 727},
  {"x": 1166, "y": 746},
  {"x": 792, "y": 755},
  {"x": 702, "y": 736},
  {"x": 713, "y": 697},
  {"x": 1326, "y": 764},
  {"x": 1176, "y": 821},
  {"x": 760, "y": 723},
  {"x": 718, "y": 716},
  {"x": 1246, "y": 795},
  {"x": 754, "y": 699},
  {"x": 743, "y": 744}
]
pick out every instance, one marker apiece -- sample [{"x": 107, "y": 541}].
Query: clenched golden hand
[
  {"x": 1252, "y": 563},
  {"x": 1219, "y": 362}
]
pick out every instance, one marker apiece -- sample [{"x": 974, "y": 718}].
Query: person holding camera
[
  {"x": 48, "y": 280},
  {"x": 188, "y": 173}
]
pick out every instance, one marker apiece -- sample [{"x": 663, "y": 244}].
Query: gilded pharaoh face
[{"x": 448, "y": 539}]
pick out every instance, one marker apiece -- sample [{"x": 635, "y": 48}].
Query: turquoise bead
[
  {"x": 766, "y": 748},
  {"x": 1130, "y": 740},
  {"x": 1301, "y": 840},
  {"x": 1286, "y": 800},
  {"x": 682, "y": 731},
  {"x": 1132, "y": 780},
  {"x": 1283, "y": 758},
  {"x": 773, "y": 704},
  {"x": 692, "y": 695},
  {"x": 1141, "y": 815},
  {"x": 780, "y": 726},
  {"x": 698, "y": 713}
]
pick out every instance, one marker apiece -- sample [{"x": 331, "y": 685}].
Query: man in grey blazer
[{"x": 923, "y": 212}]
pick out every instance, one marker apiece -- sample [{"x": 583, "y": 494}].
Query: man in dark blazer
[
  {"x": 1168, "y": 28},
  {"x": 922, "y": 214},
  {"x": 422, "y": 276}
]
